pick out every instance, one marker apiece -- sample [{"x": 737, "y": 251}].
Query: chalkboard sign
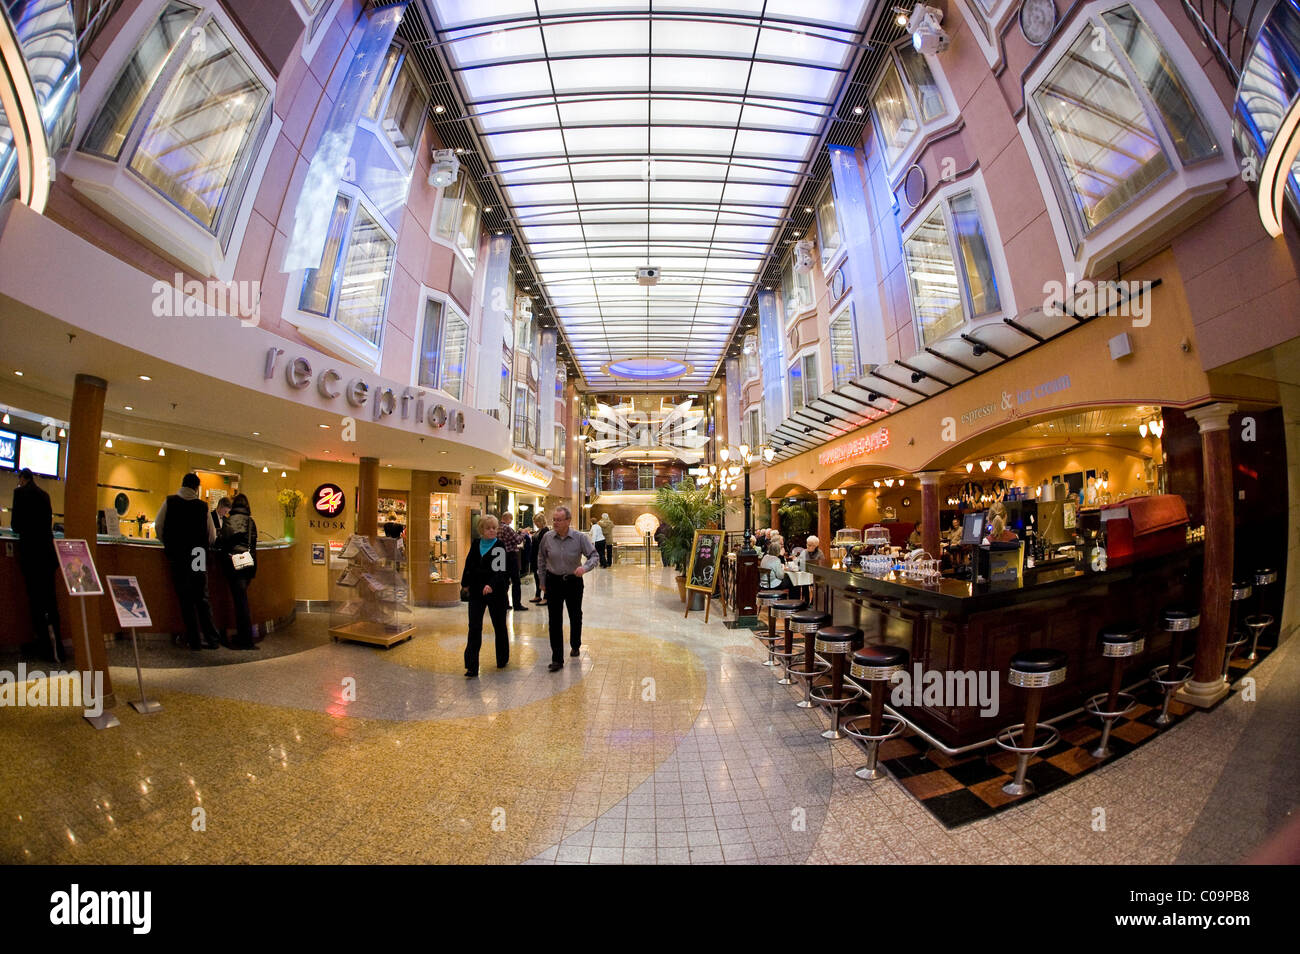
[{"x": 706, "y": 557}]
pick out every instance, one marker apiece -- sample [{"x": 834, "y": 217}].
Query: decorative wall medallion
[
  {"x": 837, "y": 284},
  {"x": 914, "y": 185},
  {"x": 1037, "y": 20}
]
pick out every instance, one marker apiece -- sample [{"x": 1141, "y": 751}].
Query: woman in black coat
[
  {"x": 485, "y": 584},
  {"x": 539, "y": 578},
  {"x": 237, "y": 543}
]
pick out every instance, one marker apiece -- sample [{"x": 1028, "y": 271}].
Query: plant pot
[
  {"x": 681, "y": 586},
  {"x": 697, "y": 601}
]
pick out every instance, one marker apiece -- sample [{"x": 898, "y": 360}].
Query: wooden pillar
[
  {"x": 417, "y": 536},
  {"x": 776, "y": 514},
  {"x": 80, "y": 501},
  {"x": 1207, "y": 685},
  {"x": 930, "y": 511},
  {"x": 824, "y": 517},
  {"x": 368, "y": 497}
]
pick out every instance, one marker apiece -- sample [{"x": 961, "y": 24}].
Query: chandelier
[{"x": 624, "y": 433}]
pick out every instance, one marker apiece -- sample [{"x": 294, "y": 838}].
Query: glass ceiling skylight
[{"x": 625, "y": 138}]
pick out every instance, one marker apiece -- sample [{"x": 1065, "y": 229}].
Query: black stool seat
[
  {"x": 836, "y": 639},
  {"x": 804, "y": 619},
  {"x": 1038, "y": 661},
  {"x": 1178, "y": 618},
  {"x": 1241, "y": 590},
  {"x": 787, "y": 607},
  {"x": 879, "y": 656},
  {"x": 916, "y": 607},
  {"x": 1122, "y": 633},
  {"x": 772, "y": 594},
  {"x": 1265, "y": 577}
]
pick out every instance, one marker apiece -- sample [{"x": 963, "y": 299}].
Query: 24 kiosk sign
[{"x": 329, "y": 502}]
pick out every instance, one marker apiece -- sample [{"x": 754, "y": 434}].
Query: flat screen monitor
[
  {"x": 8, "y": 450},
  {"x": 972, "y": 529},
  {"x": 40, "y": 457}
]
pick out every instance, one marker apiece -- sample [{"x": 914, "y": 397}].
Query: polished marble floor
[{"x": 667, "y": 741}]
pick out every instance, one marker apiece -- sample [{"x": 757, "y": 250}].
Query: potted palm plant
[{"x": 685, "y": 508}]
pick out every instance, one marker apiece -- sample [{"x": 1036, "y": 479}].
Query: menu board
[{"x": 706, "y": 556}]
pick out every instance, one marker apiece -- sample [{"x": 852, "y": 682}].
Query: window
[
  {"x": 645, "y": 477},
  {"x": 844, "y": 363},
  {"x": 351, "y": 284},
  {"x": 1118, "y": 118},
  {"x": 803, "y": 382},
  {"x": 185, "y": 116},
  {"x": 749, "y": 358},
  {"x": 441, "y": 359},
  {"x": 796, "y": 290},
  {"x": 398, "y": 104},
  {"x": 521, "y": 416},
  {"x": 750, "y": 431},
  {"x": 906, "y": 98},
  {"x": 950, "y": 271},
  {"x": 828, "y": 225},
  {"x": 560, "y": 451},
  {"x": 458, "y": 217},
  {"x": 507, "y": 362}
]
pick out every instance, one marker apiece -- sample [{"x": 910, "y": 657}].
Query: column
[
  {"x": 930, "y": 511},
  {"x": 368, "y": 497},
  {"x": 824, "y": 517},
  {"x": 417, "y": 537},
  {"x": 776, "y": 514},
  {"x": 80, "y": 500},
  {"x": 1207, "y": 685}
]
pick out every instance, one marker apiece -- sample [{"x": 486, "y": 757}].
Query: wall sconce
[
  {"x": 889, "y": 481},
  {"x": 1002, "y": 465},
  {"x": 969, "y": 468},
  {"x": 985, "y": 465},
  {"x": 1142, "y": 428},
  {"x": 876, "y": 484}
]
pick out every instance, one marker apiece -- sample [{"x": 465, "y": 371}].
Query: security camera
[
  {"x": 927, "y": 36},
  {"x": 649, "y": 275},
  {"x": 445, "y": 168}
]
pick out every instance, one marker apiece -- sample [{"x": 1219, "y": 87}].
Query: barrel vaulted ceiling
[{"x": 625, "y": 134}]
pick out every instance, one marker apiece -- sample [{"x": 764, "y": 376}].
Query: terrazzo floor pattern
[{"x": 666, "y": 742}]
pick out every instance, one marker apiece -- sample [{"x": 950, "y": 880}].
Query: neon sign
[{"x": 859, "y": 447}]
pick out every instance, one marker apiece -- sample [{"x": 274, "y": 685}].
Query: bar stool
[
  {"x": 1258, "y": 622},
  {"x": 808, "y": 622},
  {"x": 1236, "y": 638},
  {"x": 765, "y": 600},
  {"x": 783, "y": 610},
  {"x": 875, "y": 665},
  {"x": 1174, "y": 675},
  {"x": 1034, "y": 670},
  {"x": 1117, "y": 644},
  {"x": 836, "y": 642}
]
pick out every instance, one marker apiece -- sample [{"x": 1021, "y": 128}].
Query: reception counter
[
  {"x": 958, "y": 626},
  {"x": 270, "y": 597}
]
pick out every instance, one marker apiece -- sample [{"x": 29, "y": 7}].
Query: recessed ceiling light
[
  {"x": 857, "y": 110},
  {"x": 442, "y": 452},
  {"x": 325, "y": 426},
  {"x": 283, "y": 474},
  {"x": 488, "y": 210},
  {"x": 127, "y": 407},
  {"x": 807, "y": 208},
  {"x": 145, "y": 377},
  {"x": 440, "y": 109}
]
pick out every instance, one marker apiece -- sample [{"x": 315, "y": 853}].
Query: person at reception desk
[
  {"x": 187, "y": 531},
  {"x": 31, "y": 519},
  {"x": 221, "y": 513},
  {"x": 237, "y": 545},
  {"x": 998, "y": 530}
]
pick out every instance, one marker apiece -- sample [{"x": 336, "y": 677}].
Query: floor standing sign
[
  {"x": 132, "y": 614},
  {"x": 82, "y": 580},
  {"x": 702, "y": 571}
]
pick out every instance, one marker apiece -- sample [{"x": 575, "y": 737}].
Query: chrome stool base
[
  {"x": 786, "y": 659},
  {"x": 1235, "y": 642},
  {"x": 1257, "y": 625},
  {"x": 819, "y": 668},
  {"x": 871, "y": 743},
  {"x": 1094, "y": 707},
  {"x": 1169, "y": 683},
  {"x": 1006, "y": 739},
  {"x": 854, "y": 694}
]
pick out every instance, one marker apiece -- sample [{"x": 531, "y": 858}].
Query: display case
[
  {"x": 370, "y": 597},
  {"x": 444, "y": 554}
]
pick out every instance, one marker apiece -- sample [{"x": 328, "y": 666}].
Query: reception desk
[
  {"x": 270, "y": 597},
  {"x": 957, "y": 626}
]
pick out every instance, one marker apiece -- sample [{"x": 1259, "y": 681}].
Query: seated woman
[{"x": 771, "y": 571}]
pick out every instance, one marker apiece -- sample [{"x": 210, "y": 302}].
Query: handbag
[{"x": 241, "y": 561}]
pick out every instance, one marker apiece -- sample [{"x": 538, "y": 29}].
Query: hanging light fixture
[
  {"x": 5, "y": 419},
  {"x": 985, "y": 465},
  {"x": 283, "y": 474},
  {"x": 889, "y": 481},
  {"x": 265, "y": 469},
  {"x": 1158, "y": 427},
  {"x": 1002, "y": 464},
  {"x": 969, "y": 468},
  {"x": 222, "y": 462},
  {"x": 63, "y": 432},
  {"x": 162, "y": 452},
  {"x": 109, "y": 443},
  {"x": 1142, "y": 428},
  {"x": 876, "y": 483}
]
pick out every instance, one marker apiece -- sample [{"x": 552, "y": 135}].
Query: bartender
[{"x": 998, "y": 530}]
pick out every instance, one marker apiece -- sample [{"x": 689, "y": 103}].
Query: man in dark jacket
[
  {"x": 187, "y": 531},
  {"x": 32, "y": 521}
]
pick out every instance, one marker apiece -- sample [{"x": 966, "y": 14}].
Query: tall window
[
  {"x": 521, "y": 416},
  {"x": 1118, "y": 118},
  {"x": 949, "y": 268},
  {"x": 844, "y": 364},
  {"x": 458, "y": 217},
  {"x": 398, "y": 104},
  {"x": 749, "y": 358},
  {"x": 796, "y": 290},
  {"x": 803, "y": 382},
  {"x": 828, "y": 225},
  {"x": 441, "y": 361},
  {"x": 751, "y": 432},
  {"x": 351, "y": 284},
  {"x": 906, "y": 98},
  {"x": 185, "y": 115},
  {"x": 559, "y": 452}
]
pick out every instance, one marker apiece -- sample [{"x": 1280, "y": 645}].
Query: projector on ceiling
[
  {"x": 445, "y": 168},
  {"x": 649, "y": 275}
]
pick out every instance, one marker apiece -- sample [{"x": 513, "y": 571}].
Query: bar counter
[
  {"x": 959, "y": 626},
  {"x": 270, "y": 597}
]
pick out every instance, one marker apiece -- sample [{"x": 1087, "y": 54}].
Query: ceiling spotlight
[
  {"x": 127, "y": 407},
  {"x": 857, "y": 110},
  {"x": 807, "y": 430},
  {"x": 969, "y": 468},
  {"x": 927, "y": 36},
  {"x": 900, "y": 16},
  {"x": 807, "y": 208},
  {"x": 445, "y": 168},
  {"x": 19, "y": 373},
  {"x": 440, "y": 109},
  {"x": 985, "y": 465},
  {"x": 144, "y": 377}
]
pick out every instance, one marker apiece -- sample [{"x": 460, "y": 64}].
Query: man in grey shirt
[{"x": 561, "y": 558}]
